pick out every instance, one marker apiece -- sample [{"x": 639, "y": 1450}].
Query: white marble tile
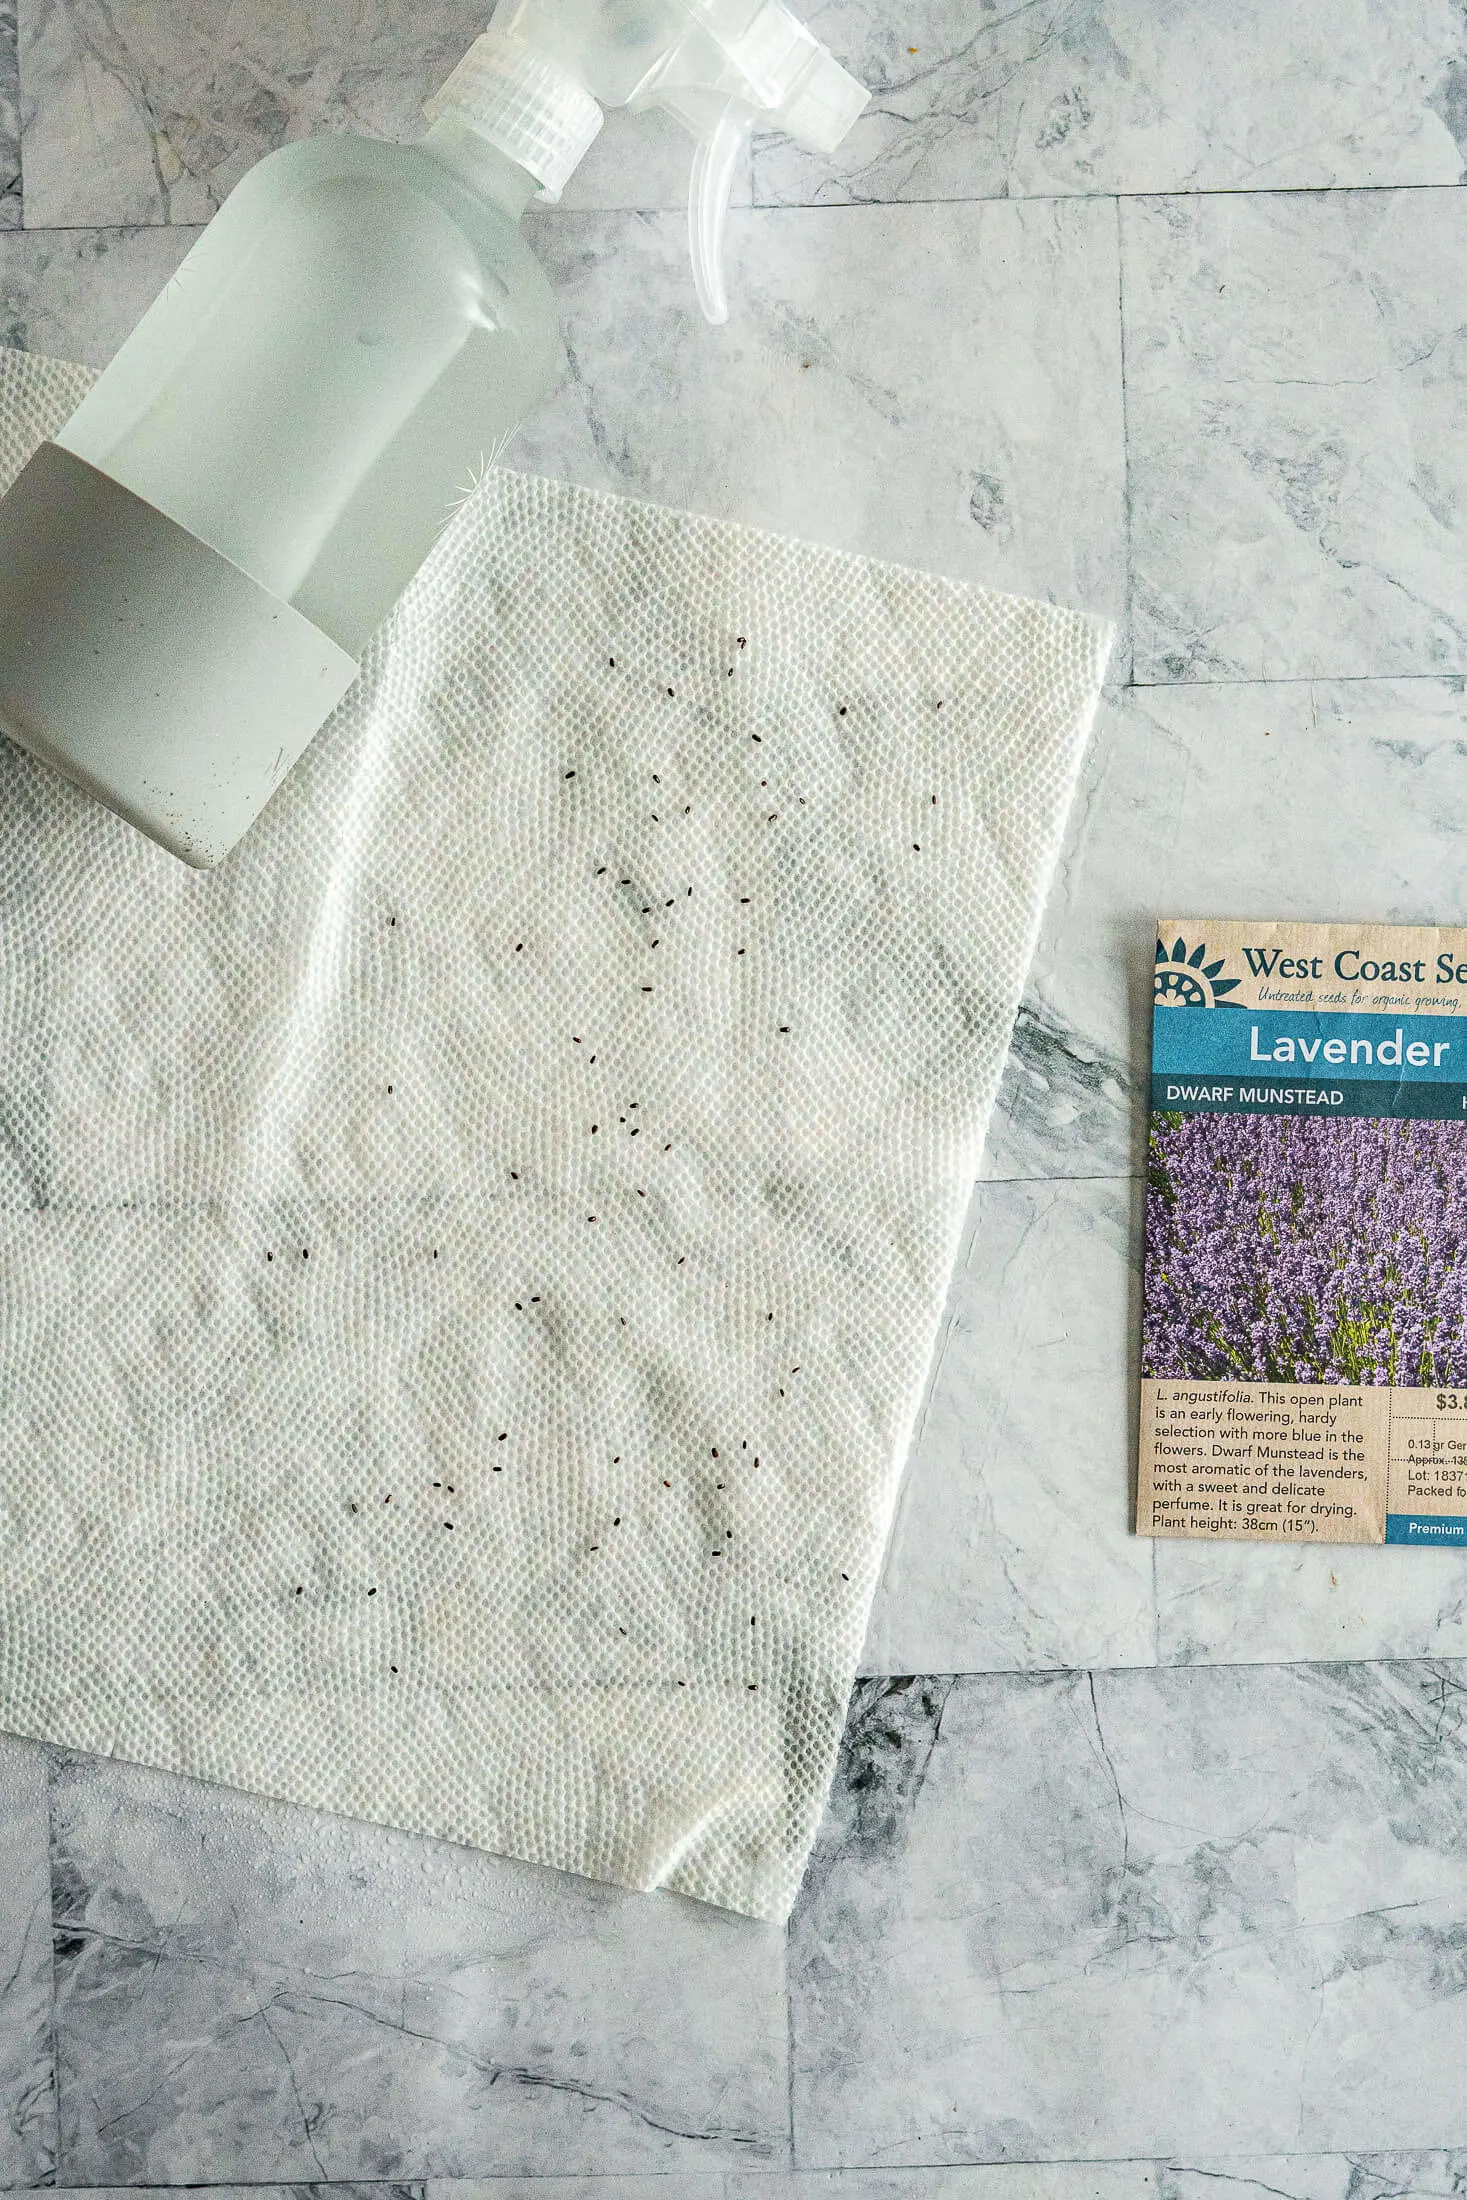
[
  {"x": 1416, "y": 2176},
  {"x": 136, "y": 113},
  {"x": 1011, "y": 1548},
  {"x": 76, "y": 293},
  {"x": 389, "y": 2190},
  {"x": 252, "y": 1993},
  {"x": 1342, "y": 1601},
  {"x": 10, "y": 194},
  {"x": 989, "y": 2181},
  {"x": 1324, "y": 799},
  {"x": 1043, "y": 96},
  {"x": 1296, "y": 392},
  {"x": 27, "y": 2078},
  {"x": 1219, "y": 1910},
  {"x": 976, "y": 431}
]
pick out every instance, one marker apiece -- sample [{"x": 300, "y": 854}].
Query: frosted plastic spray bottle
[{"x": 190, "y": 569}]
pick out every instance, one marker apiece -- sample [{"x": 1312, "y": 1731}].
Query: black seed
[
  {"x": 371, "y": 1592},
  {"x": 300, "y": 1588},
  {"x": 570, "y": 775},
  {"x": 269, "y": 1256}
]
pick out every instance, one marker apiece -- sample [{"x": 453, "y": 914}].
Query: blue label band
[
  {"x": 1421, "y": 1528},
  {"x": 1296, "y": 1046}
]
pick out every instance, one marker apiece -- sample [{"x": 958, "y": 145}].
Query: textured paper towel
[{"x": 470, "y": 1264}]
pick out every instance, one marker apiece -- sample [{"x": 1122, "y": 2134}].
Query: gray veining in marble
[
  {"x": 1158, "y": 1913},
  {"x": 939, "y": 451},
  {"x": 1038, "y": 97},
  {"x": 248, "y": 1992},
  {"x": 27, "y": 2092},
  {"x": 1297, "y": 429},
  {"x": 136, "y": 113},
  {"x": 75, "y": 293}
]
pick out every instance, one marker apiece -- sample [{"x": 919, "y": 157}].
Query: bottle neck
[{"x": 489, "y": 173}]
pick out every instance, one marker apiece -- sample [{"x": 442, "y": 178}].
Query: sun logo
[{"x": 1186, "y": 979}]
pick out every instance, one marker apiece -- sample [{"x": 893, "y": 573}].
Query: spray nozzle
[{"x": 536, "y": 82}]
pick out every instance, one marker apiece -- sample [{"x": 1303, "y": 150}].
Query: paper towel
[{"x": 470, "y": 1263}]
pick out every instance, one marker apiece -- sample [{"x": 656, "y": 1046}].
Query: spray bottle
[{"x": 190, "y": 569}]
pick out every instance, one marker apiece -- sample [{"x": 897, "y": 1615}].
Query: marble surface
[
  {"x": 1148, "y": 307},
  {"x": 1117, "y": 1914}
]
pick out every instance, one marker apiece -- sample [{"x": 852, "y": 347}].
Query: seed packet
[{"x": 1304, "y": 1318}]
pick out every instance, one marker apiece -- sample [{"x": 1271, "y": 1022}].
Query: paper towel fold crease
[{"x": 470, "y": 1264}]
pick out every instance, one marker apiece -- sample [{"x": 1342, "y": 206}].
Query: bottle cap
[
  {"x": 535, "y": 82},
  {"x": 525, "y": 103}
]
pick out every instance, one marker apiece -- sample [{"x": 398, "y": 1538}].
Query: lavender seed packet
[{"x": 1304, "y": 1322}]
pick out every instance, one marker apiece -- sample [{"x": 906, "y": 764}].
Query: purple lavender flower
[{"x": 1305, "y": 1250}]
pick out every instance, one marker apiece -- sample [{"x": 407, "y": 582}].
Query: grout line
[
  {"x": 847, "y": 206},
  {"x": 1303, "y": 679}
]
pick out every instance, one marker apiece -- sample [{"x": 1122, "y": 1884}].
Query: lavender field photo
[{"x": 1304, "y": 1250}]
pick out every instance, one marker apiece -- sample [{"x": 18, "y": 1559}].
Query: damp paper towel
[{"x": 470, "y": 1264}]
